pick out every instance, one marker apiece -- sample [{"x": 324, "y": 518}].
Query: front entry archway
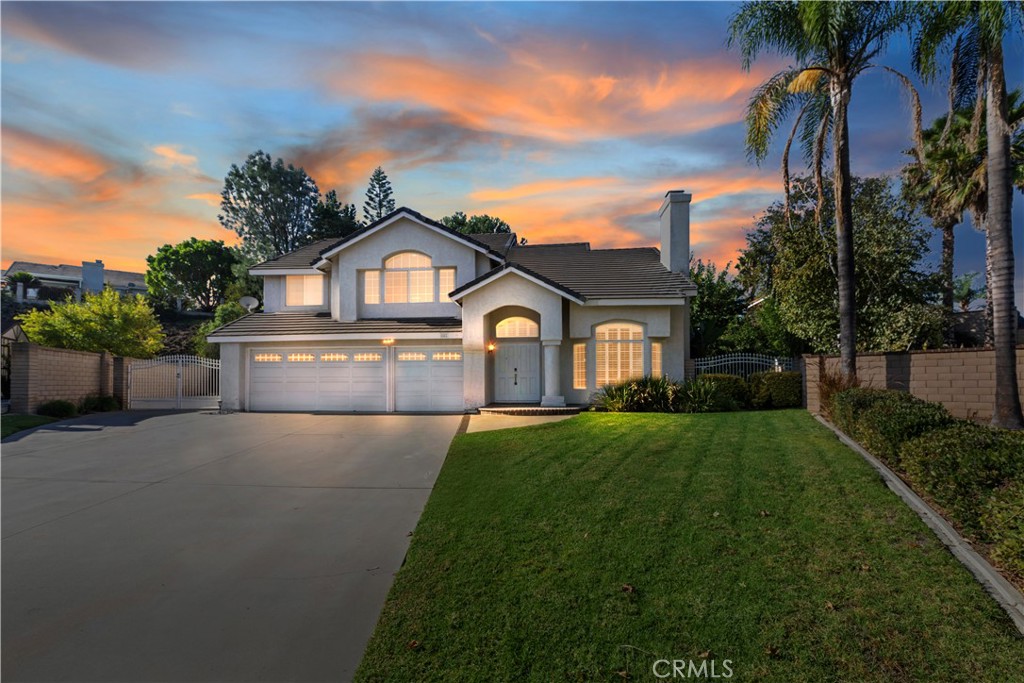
[{"x": 517, "y": 372}]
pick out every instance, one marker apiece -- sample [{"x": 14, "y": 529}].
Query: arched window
[
  {"x": 408, "y": 278},
  {"x": 510, "y": 328},
  {"x": 619, "y": 352}
]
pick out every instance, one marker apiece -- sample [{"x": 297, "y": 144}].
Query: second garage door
[{"x": 428, "y": 380}]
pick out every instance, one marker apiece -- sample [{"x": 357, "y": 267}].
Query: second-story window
[
  {"x": 304, "y": 290},
  {"x": 407, "y": 278}
]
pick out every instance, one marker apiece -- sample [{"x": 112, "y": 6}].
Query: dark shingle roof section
[
  {"x": 418, "y": 216},
  {"x": 603, "y": 273},
  {"x": 274, "y": 324},
  {"x": 300, "y": 259},
  {"x": 498, "y": 241}
]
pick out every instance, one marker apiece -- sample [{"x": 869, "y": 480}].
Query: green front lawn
[
  {"x": 589, "y": 549},
  {"x": 9, "y": 424}
]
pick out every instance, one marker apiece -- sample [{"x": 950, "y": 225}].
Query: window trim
[{"x": 438, "y": 292}]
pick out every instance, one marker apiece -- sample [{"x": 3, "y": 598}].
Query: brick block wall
[
  {"x": 963, "y": 380},
  {"x": 40, "y": 374}
]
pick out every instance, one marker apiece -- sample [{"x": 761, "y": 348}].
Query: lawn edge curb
[{"x": 1001, "y": 590}]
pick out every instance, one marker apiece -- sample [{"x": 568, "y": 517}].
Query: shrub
[
  {"x": 639, "y": 395},
  {"x": 848, "y": 405},
  {"x": 961, "y": 465},
  {"x": 700, "y": 396},
  {"x": 760, "y": 398},
  {"x": 1002, "y": 524},
  {"x": 785, "y": 389},
  {"x": 895, "y": 418},
  {"x": 733, "y": 386},
  {"x": 832, "y": 384},
  {"x": 57, "y": 409},
  {"x": 98, "y": 404}
]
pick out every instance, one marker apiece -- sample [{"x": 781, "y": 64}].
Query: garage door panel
[{"x": 431, "y": 384}]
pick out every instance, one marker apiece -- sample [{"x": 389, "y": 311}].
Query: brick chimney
[{"x": 675, "y": 231}]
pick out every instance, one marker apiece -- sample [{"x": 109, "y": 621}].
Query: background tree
[
  {"x": 794, "y": 261},
  {"x": 105, "y": 321},
  {"x": 964, "y": 291},
  {"x": 761, "y": 329},
  {"x": 477, "y": 224},
  {"x": 832, "y": 43},
  {"x": 269, "y": 205},
  {"x": 333, "y": 219},
  {"x": 27, "y": 279},
  {"x": 379, "y": 202},
  {"x": 225, "y": 313},
  {"x": 974, "y": 32},
  {"x": 718, "y": 305},
  {"x": 197, "y": 272},
  {"x": 242, "y": 283}
]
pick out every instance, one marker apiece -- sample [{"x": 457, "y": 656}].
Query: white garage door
[
  {"x": 326, "y": 379},
  {"x": 428, "y": 379}
]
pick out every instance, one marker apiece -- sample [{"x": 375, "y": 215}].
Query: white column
[{"x": 552, "y": 377}]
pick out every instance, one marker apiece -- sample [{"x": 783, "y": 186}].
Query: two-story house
[{"x": 407, "y": 315}]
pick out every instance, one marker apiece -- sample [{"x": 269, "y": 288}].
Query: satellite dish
[{"x": 249, "y": 303}]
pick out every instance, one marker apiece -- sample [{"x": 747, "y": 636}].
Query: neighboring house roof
[
  {"x": 415, "y": 215},
  {"x": 274, "y": 324},
  {"x": 119, "y": 279},
  {"x": 603, "y": 273},
  {"x": 498, "y": 241}
]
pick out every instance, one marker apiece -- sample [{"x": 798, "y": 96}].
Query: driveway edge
[{"x": 1001, "y": 590}]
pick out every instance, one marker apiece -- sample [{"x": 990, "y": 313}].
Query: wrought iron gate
[
  {"x": 181, "y": 382},
  {"x": 742, "y": 364}
]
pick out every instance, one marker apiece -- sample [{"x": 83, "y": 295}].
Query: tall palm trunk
[
  {"x": 946, "y": 269},
  {"x": 999, "y": 233},
  {"x": 840, "y": 95}
]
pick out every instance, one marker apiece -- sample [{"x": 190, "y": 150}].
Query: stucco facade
[{"x": 550, "y": 361}]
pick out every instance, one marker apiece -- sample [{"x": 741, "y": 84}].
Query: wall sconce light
[
  {"x": 387, "y": 342},
  {"x": 491, "y": 347}
]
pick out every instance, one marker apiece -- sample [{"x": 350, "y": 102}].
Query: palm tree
[
  {"x": 975, "y": 31},
  {"x": 832, "y": 44}
]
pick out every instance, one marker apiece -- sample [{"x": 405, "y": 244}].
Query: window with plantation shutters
[{"x": 619, "y": 352}]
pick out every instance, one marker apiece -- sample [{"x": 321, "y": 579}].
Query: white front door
[{"x": 517, "y": 372}]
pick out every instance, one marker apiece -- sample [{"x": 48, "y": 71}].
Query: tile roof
[
  {"x": 301, "y": 258},
  {"x": 115, "y": 278},
  {"x": 258, "y": 324},
  {"x": 603, "y": 273},
  {"x": 498, "y": 241}
]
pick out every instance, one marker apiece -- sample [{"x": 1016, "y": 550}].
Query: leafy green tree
[
  {"x": 269, "y": 205},
  {"x": 964, "y": 291},
  {"x": 333, "y": 219},
  {"x": 105, "y": 321},
  {"x": 832, "y": 43},
  {"x": 379, "y": 202},
  {"x": 761, "y": 329},
  {"x": 225, "y": 313},
  {"x": 974, "y": 33},
  {"x": 477, "y": 224},
  {"x": 196, "y": 272},
  {"x": 795, "y": 262},
  {"x": 718, "y": 305}
]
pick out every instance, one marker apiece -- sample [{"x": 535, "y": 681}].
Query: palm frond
[
  {"x": 807, "y": 80},
  {"x": 915, "y": 111},
  {"x": 770, "y": 105},
  {"x": 759, "y": 27}
]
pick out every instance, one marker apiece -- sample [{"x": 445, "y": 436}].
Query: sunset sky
[{"x": 569, "y": 121}]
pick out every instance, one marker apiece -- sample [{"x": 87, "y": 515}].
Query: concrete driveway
[{"x": 204, "y": 547}]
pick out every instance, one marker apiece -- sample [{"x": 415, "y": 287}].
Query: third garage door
[{"x": 428, "y": 380}]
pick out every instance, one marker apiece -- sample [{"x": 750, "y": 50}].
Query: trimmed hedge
[
  {"x": 776, "y": 389},
  {"x": 895, "y": 419},
  {"x": 733, "y": 386},
  {"x": 849, "y": 405},
  {"x": 1002, "y": 524},
  {"x": 98, "y": 404},
  {"x": 57, "y": 409},
  {"x": 962, "y": 465}
]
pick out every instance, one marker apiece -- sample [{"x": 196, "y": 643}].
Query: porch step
[{"x": 529, "y": 409}]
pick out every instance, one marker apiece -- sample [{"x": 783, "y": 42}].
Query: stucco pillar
[
  {"x": 232, "y": 380},
  {"x": 552, "y": 376}
]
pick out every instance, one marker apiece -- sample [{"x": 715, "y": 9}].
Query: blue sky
[{"x": 569, "y": 120}]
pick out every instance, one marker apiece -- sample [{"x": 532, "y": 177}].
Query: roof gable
[
  {"x": 516, "y": 269},
  {"x": 391, "y": 218}
]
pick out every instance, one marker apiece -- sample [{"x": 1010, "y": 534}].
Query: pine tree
[{"x": 379, "y": 202}]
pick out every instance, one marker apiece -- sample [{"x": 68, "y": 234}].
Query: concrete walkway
[
  {"x": 205, "y": 547},
  {"x": 489, "y": 422}
]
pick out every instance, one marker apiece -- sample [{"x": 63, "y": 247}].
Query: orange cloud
[
  {"x": 169, "y": 156},
  {"x": 556, "y": 98},
  {"x": 210, "y": 198},
  {"x": 49, "y": 158},
  {"x": 541, "y": 187}
]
